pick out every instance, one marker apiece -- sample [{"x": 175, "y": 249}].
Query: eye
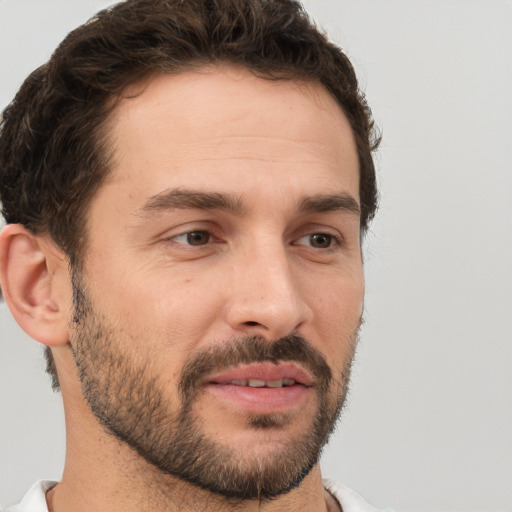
[
  {"x": 193, "y": 238},
  {"x": 318, "y": 240}
]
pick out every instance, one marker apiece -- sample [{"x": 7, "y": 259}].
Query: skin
[{"x": 268, "y": 144}]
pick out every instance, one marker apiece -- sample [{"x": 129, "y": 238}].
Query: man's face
[{"x": 218, "y": 310}]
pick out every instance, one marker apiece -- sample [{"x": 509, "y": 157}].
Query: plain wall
[{"x": 428, "y": 425}]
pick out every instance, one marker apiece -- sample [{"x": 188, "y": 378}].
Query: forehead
[
  {"x": 220, "y": 125},
  {"x": 222, "y": 91}
]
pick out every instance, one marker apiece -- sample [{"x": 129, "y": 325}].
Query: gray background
[{"x": 429, "y": 423}]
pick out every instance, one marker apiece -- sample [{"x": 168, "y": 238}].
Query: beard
[{"x": 127, "y": 397}]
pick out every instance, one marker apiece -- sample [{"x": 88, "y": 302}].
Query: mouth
[
  {"x": 258, "y": 383},
  {"x": 262, "y": 388},
  {"x": 258, "y": 375}
]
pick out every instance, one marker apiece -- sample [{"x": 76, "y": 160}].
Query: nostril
[{"x": 252, "y": 324}]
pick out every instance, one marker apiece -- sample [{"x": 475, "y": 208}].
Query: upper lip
[{"x": 266, "y": 371}]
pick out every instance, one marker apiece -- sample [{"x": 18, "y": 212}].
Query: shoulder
[
  {"x": 349, "y": 499},
  {"x": 35, "y": 499}
]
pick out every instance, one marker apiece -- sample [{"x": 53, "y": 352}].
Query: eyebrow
[
  {"x": 180, "y": 198},
  {"x": 328, "y": 203}
]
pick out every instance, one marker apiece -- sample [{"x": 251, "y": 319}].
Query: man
[{"x": 185, "y": 187}]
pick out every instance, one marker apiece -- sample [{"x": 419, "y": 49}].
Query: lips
[
  {"x": 268, "y": 375},
  {"x": 262, "y": 387}
]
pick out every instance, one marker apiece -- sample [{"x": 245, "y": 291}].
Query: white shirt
[{"x": 35, "y": 500}]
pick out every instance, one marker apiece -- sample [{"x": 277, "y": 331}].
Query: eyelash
[
  {"x": 335, "y": 240},
  {"x": 189, "y": 233}
]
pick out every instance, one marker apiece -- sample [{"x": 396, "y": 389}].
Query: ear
[{"x": 36, "y": 285}]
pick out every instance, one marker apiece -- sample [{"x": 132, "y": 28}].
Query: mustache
[{"x": 253, "y": 349}]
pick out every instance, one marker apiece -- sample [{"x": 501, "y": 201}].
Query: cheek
[
  {"x": 337, "y": 311},
  {"x": 338, "y": 297},
  {"x": 178, "y": 310}
]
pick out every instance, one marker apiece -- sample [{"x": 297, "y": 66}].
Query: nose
[{"x": 265, "y": 295}]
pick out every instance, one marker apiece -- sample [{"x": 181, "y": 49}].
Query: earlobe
[{"x": 32, "y": 277}]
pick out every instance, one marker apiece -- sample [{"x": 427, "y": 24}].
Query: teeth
[{"x": 256, "y": 383}]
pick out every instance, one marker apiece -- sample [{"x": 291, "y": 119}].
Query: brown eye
[
  {"x": 198, "y": 237},
  {"x": 320, "y": 240}
]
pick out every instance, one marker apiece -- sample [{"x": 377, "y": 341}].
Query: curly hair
[{"x": 54, "y": 151}]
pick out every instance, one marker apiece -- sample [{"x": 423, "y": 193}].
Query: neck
[{"x": 144, "y": 490}]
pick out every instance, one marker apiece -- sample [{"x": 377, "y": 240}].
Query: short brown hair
[{"x": 53, "y": 149}]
